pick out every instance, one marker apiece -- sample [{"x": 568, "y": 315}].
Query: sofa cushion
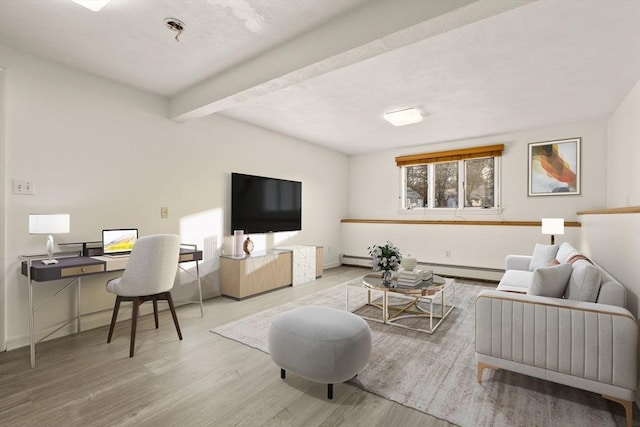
[
  {"x": 566, "y": 251},
  {"x": 584, "y": 283},
  {"x": 550, "y": 281},
  {"x": 542, "y": 256},
  {"x": 515, "y": 281}
]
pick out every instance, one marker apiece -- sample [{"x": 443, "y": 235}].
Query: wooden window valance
[{"x": 451, "y": 155}]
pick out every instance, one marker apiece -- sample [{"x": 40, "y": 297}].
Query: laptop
[{"x": 118, "y": 242}]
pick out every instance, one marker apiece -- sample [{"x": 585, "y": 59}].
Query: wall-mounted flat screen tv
[{"x": 262, "y": 205}]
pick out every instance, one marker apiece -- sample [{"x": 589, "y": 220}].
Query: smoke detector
[{"x": 175, "y": 25}]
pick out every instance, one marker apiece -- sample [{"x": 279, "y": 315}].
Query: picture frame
[{"x": 554, "y": 167}]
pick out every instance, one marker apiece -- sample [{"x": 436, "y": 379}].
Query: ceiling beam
[{"x": 376, "y": 27}]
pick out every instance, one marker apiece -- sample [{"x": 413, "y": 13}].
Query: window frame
[{"x": 461, "y": 157}]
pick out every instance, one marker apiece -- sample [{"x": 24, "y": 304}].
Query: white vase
[{"x": 409, "y": 263}]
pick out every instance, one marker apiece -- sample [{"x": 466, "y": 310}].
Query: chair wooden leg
[
  {"x": 114, "y": 317},
  {"x": 134, "y": 324},
  {"x": 173, "y": 313},
  {"x": 155, "y": 311}
]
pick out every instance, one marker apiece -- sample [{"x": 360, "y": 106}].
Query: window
[
  {"x": 445, "y": 185},
  {"x": 417, "y": 185},
  {"x": 479, "y": 183},
  {"x": 456, "y": 179}
]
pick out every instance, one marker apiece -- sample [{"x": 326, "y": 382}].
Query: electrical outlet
[
  {"x": 164, "y": 212},
  {"x": 25, "y": 187},
  {"x": 447, "y": 253}
]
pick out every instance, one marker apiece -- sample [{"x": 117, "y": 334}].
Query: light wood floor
[{"x": 204, "y": 380}]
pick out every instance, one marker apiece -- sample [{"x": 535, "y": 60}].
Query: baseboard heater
[{"x": 462, "y": 271}]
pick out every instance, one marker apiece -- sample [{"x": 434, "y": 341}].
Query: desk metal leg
[
  {"x": 32, "y": 332},
  {"x": 78, "y": 294},
  {"x": 197, "y": 276},
  {"x": 199, "y": 288}
]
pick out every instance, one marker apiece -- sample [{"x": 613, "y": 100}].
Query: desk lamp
[
  {"x": 49, "y": 224},
  {"x": 552, "y": 226}
]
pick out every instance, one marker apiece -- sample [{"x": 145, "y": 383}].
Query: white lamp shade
[
  {"x": 48, "y": 223},
  {"x": 552, "y": 225}
]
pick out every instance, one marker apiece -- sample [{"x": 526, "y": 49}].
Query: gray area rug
[{"x": 436, "y": 374}]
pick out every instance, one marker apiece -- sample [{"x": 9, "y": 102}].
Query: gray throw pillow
[
  {"x": 584, "y": 284},
  {"x": 542, "y": 256},
  {"x": 550, "y": 281}
]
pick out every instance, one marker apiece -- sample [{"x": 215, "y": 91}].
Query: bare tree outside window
[
  {"x": 417, "y": 187},
  {"x": 446, "y": 185},
  {"x": 479, "y": 183},
  {"x": 461, "y": 184}
]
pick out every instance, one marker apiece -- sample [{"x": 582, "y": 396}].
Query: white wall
[
  {"x": 623, "y": 173},
  {"x": 3, "y": 178},
  {"x": 107, "y": 154},
  {"x": 374, "y": 193},
  {"x": 614, "y": 240}
]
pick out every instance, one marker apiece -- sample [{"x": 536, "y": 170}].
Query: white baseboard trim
[{"x": 480, "y": 273}]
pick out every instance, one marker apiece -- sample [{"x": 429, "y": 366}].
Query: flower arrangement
[{"x": 385, "y": 258}]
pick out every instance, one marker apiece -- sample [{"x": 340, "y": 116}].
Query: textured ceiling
[{"x": 325, "y": 71}]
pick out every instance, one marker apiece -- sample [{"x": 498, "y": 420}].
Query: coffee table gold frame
[{"x": 410, "y": 305}]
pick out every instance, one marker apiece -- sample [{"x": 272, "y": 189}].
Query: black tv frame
[{"x": 261, "y": 204}]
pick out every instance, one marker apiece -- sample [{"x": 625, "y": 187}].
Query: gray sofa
[{"x": 581, "y": 335}]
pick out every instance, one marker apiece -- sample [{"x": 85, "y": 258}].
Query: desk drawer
[
  {"x": 189, "y": 255},
  {"x": 186, "y": 257},
  {"x": 79, "y": 271}
]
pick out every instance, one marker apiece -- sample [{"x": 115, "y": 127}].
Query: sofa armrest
[
  {"x": 517, "y": 262},
  {"x": 594, "y": 341},
  {"x": 612, "y": 293}
]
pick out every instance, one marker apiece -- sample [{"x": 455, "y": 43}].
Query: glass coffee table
[{"x": 432, "y": 301}]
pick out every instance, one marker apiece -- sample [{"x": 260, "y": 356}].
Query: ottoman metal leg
[
  {"x": 329, "y": 391},
  {"x": 283, "y": 373}
]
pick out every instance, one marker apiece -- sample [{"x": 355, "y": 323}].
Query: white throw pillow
[
  {"x": 542, "y": 256},
  {"x": 550, "y": 281},
  {"x": 584, "y": 284}
]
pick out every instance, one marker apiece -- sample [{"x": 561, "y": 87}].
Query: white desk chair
[{"x": 149, "y": 276}]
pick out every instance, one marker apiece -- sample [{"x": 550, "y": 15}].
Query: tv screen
[{"x": 262, "y": 205}]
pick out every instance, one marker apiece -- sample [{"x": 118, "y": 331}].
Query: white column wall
[
  {"x": 623, "y": 152},
  {"x": 614, "y": 240},
  {"x": 108, "y": 155}
]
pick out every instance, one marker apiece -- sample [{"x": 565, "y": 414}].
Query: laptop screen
[{"x": 118, "y": 241}]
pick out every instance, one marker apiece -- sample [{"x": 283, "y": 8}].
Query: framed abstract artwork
[{"x": 554, "y": 168}]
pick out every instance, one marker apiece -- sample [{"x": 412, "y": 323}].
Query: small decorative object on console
[
  {"x": 247, "y": 246},
  {"x": 385, "y": 258}
]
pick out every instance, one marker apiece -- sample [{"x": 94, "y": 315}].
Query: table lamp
[
  {"x": 49, "y": 224},
  {"x": 552, "y": 226}
]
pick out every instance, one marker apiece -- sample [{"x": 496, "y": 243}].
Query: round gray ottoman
[{"x": 321, "y": 344}]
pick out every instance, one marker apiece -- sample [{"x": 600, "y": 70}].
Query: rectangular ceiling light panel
[
  {"x": 94, "y": 5},
  {"x": 403, "y": 117}
]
